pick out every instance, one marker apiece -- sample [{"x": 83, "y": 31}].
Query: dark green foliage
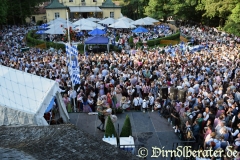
[
  {"x": 3, "y": 11},
  {"x": 16, "y": 11},
  {"x": 157, "y": 41},
  {"x": 32, "y": 40},
  {"x": 110, "y": 129},
  {"x": 39, "y": 23},
  {"x": 80, "y": 47},
  {"x": 232, "y": 27},
  {"x": 131, "y": 40},
  {"x": 127, "y": 128}
]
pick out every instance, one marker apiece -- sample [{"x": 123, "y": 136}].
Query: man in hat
[{"x": 100, "y": 115}]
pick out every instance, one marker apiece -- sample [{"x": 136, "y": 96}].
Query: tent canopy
[
  {"x": 97, "y": 40},
  {"x": 84, "y": 24},
  {"x": 125, "y": 19},
  {"x": 151, "y": 19},
  {"x": 140, "y": 30},
  {"x": 142, "y": 22},
  {"x": 57, "y": 30},
  {"x": 24, "y": 97},
  {"x": 108, "y": 21},
  {"x": 122, "y": 24},
  {"x": 57, "y": 20},
  {"x": 96, "y": 32},
  {"x": 93, "y": 19}
]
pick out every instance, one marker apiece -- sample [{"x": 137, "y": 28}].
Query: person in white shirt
[
  {"x": 137, "y": 102},
  {"x": 130, "y": 91},
  {"x": 91, "y": 102},
  {"x": 72, "y": 95},
  {"x": 206, "y": 114},
  {"x": 145, "y": 104},
  {"x": 125, "y": 103},
  {"x": 151, "y": 101},
  {"x": 157, "y": 106}
]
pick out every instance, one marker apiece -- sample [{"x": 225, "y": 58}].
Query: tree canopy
[
  {"x": 217, "y": 13},
  {"x": 16, "y": 11}
]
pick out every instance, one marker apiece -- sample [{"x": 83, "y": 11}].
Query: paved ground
[{"x": 149, "y": 129}]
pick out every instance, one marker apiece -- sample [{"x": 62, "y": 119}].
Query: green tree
[
  {"x": 235, "y": 16},
  {"x": 158, "y": 9},
  {"x": 127, "y": 128},
  {"x": 233, "y": 23},
  {"x": 110, "y": 129},
  {"x": 3, "y": 11},
  {"x": 181, "y": 9},
  {"x": 134, "y": 8},
  {"x": 217, "y": 8},
  {"x": 19, "y": 10}
]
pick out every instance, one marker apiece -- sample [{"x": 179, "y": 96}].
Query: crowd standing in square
[{"x": 207, "y": 81}]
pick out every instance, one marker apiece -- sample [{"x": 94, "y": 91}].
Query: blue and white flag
[{"x": 72, "y": 63}]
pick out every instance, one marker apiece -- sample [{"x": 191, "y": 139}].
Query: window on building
[
  {"x": 112, "y": 14},
  {"x": 70, "y": 0},
  {"x": 94, "y": 0},
  {"x": 82, "y": 0},
  {"x": 57, "y": 15}
]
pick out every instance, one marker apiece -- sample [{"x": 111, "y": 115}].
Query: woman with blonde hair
[{"x": 125, "y": 103}]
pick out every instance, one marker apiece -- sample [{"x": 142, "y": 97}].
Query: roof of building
[
  {"x": 41, "y": 9},
  {"x": 56, "y": 142},
  {"x": 55, "y": 5},
  {"x": 109, "y": 4}
]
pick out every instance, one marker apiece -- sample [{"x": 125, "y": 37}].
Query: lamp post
[{"x": 69, "y": 41}]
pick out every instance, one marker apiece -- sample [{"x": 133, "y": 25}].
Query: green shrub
[
  {"x": 80, "y": 47},
  {"x": 130, "y": 41},
  {"x": 40, "y": 22},
  {"x": 139, "y": 44},
  {"x": 110, "y": 129},
  {"x": 32, "y": 41},
  {"x": 117, "y": 38},
  {"x": 126, "y": 129},
  {"x": 154, "y": 42}
]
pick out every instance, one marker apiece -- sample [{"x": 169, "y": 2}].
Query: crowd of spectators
[{"x": 207, "y": 82}]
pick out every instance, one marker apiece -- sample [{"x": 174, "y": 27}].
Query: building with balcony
[{"x": 82, "y": 9}]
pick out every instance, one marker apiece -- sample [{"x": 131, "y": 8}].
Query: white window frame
[
  {"x": 70, "y": 0},
  {"x": 57, "y": 15},
  {"x": 111, "y": 14}
]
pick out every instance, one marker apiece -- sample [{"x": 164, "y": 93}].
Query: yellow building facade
[{"x": 82, "y": 9}]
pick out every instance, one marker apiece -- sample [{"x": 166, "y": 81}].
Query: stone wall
[{"x": 59, "y": 142}]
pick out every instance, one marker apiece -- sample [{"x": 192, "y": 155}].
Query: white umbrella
[
  {"x": 125, "y": 19},
  {"x": 86, "y": 27},
  {"x": 58, "y": 30},
  {"x": 93, "y": 19},
  {"x": 61, "y": 24},
  {"x": 108, "y": 21},
  {"x": 57, "y": 20},
  {"x": 151, "y": 19},
  {"x": 87, "y": 23},
  {"x": 122, "y": 24},
  {"x": 84, "y": 21},
  {"x": 142, "y": 22}
]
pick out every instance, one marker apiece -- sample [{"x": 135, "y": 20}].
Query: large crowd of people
[{"x": 197, "y": 92}]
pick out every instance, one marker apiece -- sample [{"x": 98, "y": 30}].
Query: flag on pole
[{"x": 72, "y": 63}]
